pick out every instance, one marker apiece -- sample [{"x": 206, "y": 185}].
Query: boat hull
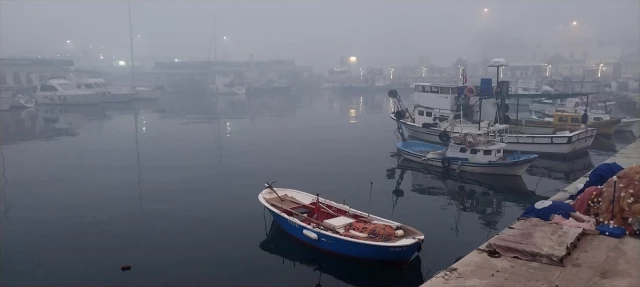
[
  {"x": 629, "y": 125},
  {"x": 117, "y": 97},
  {"x": 22, "y": 102},
  {"x": 517, "y": 167},
  {"x": 397, "y": 252},
  {"x": 550, "y": 144},
  {"x": 347, "y": 248},
  {"x": 77, "y": 99}
]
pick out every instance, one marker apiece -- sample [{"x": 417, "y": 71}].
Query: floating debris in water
[{"x": 125, "y": 267}]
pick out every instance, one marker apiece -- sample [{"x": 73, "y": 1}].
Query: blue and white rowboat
[
  {"x": 487, "y": 159},
  {"x": 336, "y": 228}
]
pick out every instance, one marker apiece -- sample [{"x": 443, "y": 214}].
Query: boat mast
[{"x": 133, "y": 85}]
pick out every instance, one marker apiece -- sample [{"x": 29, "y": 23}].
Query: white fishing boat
[
  {"x": 433, "y": 114},
  {"x": 468, "y": 153},
  {"x": 5, "y": 101},
  {"x": 60, "y": 91},
  {"x": 108, "y": 94},
  {"x": 563, "y": 142},
  {"x": 22, "y": 102}
]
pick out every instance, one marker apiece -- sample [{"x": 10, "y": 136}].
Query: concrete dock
[{"x": 595, "y": 261}]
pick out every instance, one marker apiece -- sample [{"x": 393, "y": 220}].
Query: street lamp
[
  {"x": 68, "y": 41},
  {"x": 353, "y": 60},
  {"x": 574, "y": 23},
  {"x": 486, "y": 10}
]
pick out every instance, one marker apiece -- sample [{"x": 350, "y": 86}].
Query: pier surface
[{"x": 595, "y": 261}]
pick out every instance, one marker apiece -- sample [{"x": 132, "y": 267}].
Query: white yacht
[
  {"x": 108, "y": 94},
  {"x": 60, "y": 91}
]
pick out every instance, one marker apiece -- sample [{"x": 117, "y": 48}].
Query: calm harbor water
[{"x": 171, "y": 187}]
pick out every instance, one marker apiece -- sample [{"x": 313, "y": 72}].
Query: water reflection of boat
[
  {"x": 478, "y": 193},
  {"x": 568, "y": 170},
  {"x": 350, "y": 271},
  {"x": 39, "y": 124}
]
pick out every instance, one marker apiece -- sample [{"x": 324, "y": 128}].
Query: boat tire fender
[
  {"x": 446, "y": 162},
  {"x": 400, "y": 114},
  {"x": 444, "y": 137},
  {"x": 310, "y": 234}
]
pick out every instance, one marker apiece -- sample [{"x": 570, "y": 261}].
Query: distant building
[{"x": 19, "y": 73}]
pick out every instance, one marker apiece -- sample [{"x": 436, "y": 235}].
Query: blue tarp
[{"x": 599, "y": 176}]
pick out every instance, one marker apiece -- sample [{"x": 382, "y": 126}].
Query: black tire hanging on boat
[
  {"x": 444, "y": 137},
  {"x": 393, "y": 94},
  {"x": 446, "y": 162},
  {"x": 399, "y": 114},
  {"x": 506, "y": 108}
]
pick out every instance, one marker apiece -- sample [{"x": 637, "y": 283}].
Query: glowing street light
[
  {"x": 353, "y": 60},
  {"x": 138, "y": 36},
  {"x": 486, "y": 9},
  {"x": 68, "y": 41},
  {"x": 574, "y": 23},
  {"x": 225, "y": 38}
]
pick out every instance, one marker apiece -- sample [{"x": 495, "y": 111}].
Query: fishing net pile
[
  {"x": 625, "y": 206},
  {"x": 369, "y": 231}
]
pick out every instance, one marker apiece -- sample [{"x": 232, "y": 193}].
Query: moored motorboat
[
  {"x": 339, "y": 229},
  {"x": 564, "y": 121},
  {"x": 560, "y": 143},
  {"x": 60, "y": 91},
  {"x": 629, "y": 125},
  {"x": 468, "y": 154},
  {"x": 22, "y": 102},
  {"x": 108, "y": 94}
]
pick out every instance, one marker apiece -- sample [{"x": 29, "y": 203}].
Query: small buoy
[
  {"x": 606, "y": 233},
  {"x": 125, "y": 267},
  {"x": 621, "y": 185},
  {"x": 622, "y": 194},
  {"x": 629, "y": 220},
  {"x": 399, "y": 233},
  {"x": 630, "y": 190},
  {"x": 615, "y": 178}
]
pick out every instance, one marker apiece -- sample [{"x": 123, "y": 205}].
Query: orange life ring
[{"x": 470, "y": 91}]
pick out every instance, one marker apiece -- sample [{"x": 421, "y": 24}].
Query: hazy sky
[{"x": 316, "y": 33}]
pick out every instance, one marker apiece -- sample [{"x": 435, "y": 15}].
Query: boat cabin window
[
  {"x": 575, "y": 120},
  {"x": 463, "y": 150},
  {"x": 78, "y": 86},
  {"x": 563, "y": 119},
  {"x": 48, "y": 88},
  {"x": 487, "y": 152},
  {"x": 67, "y": 86},
  {"x": 435, "y": 90},
  {"x": 597, "y": 119},
  {"x": 428, "y": 114},
  {"x": 499, "y": 152},
  {"x": 474, "y": 151},
  {"x": 421, "y": 113},
  {"x": 88, "y": 86},
  {"x": 445, "y": 90}
]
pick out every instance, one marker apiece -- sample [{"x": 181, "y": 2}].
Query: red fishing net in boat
[{"x": 373, "y": 231}]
